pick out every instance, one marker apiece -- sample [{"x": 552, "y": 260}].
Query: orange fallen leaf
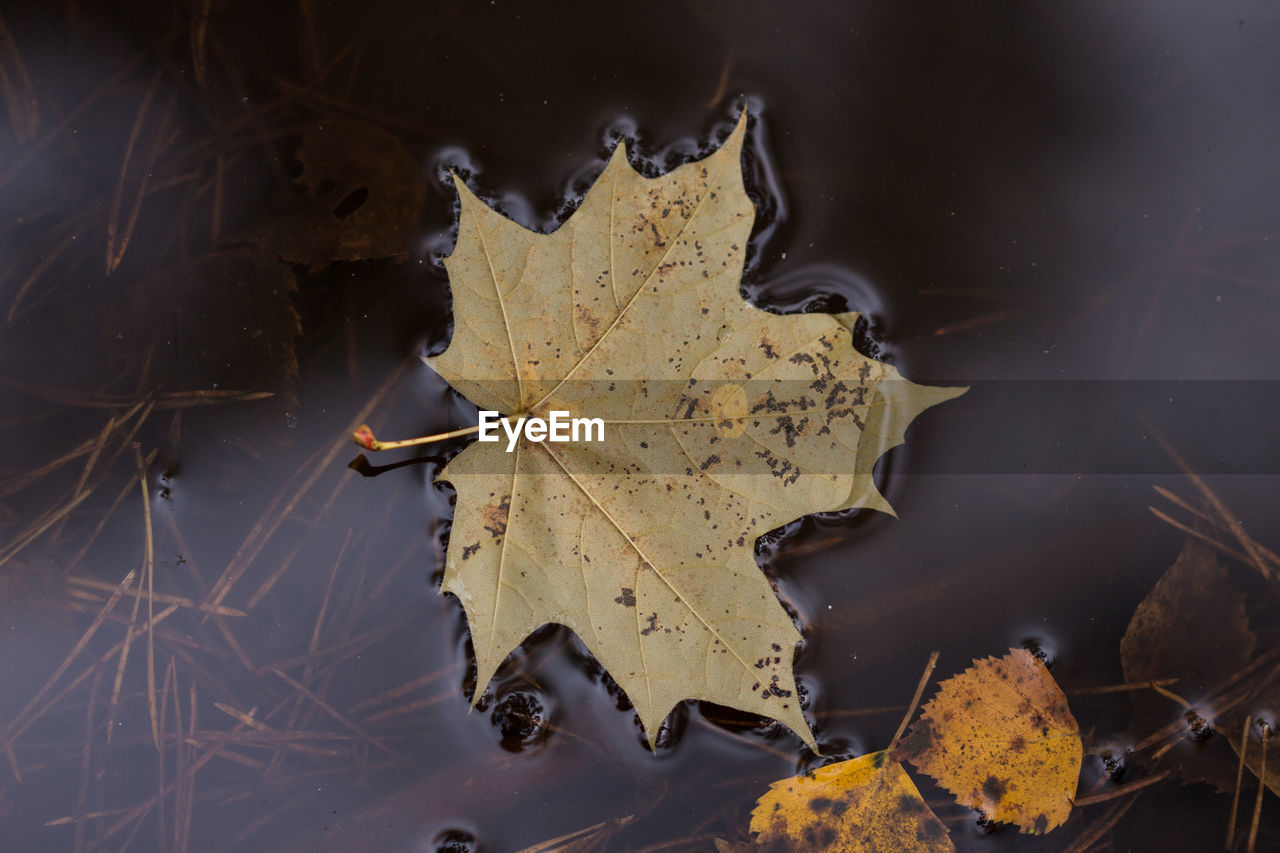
[
  {"x": 863, "y": 804},
  {"x": 1001, "y": 738}
]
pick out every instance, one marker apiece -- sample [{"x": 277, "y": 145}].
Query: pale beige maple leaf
[{"x": 721, "y": 422}]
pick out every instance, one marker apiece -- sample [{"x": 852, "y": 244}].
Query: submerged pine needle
[
  {"x": 30, "y": 281},
  {"x": 1262, "y": 789},
  {"x": 170, "y": 675},
  {"x": 242, "y": 717},
  {"x": 284, "y": 503},
  {"x": 19, "y": 93},
  {"x": 163, "y": 598},
  {"x": 324, "y": 706},
  {"x": 407, "y": 708},
  {"x": 149, "y": 568},
  {"x": 38, "y": 527},
  {"x": 402, "y": 689},
  {"x": 1235, "y": 796},
  {"x": 129, "y": 635},
  {"x": 16, "y": 725},
  {"x": 114, "y": 254},
  {"x": 1191, "y": 531},
  {"x": 16, "y": 484},
  {"x": 1123, "y": 790},
  {"x": 190, "y": 779},
  {"x": 180, "y": 765},
  {"x": 1085, "y": 840},
  {"x": 314, "y": 644},
  {"x": 1128, "y": 686},
  {"x": 17, "y": 728},
  {"x": 86, "y": 761},
  {"x": 1267, "y": 554},
  {"x": 1219, "y": 508}
]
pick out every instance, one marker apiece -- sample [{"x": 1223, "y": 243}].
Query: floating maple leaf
[{"x": 721, "y": 422}]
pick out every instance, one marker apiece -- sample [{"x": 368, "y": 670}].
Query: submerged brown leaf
[
  {"x": 363, "y": 198},
  {"x": 1191, "y": 626}
]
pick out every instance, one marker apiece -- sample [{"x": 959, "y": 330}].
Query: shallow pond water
[{"x": 221, "y": 227}]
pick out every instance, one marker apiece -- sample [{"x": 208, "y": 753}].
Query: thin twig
[
  {"x": 1121, "y": 688},
  {"x": 915, "y": 700},
  {"x": 1122, "y": 790}
]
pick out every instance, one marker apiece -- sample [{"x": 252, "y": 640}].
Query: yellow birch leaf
[
  {"x": 1000, "y": 737},
  {"x": 720, "y": 422},
  {"x": 863, "y": 804}
]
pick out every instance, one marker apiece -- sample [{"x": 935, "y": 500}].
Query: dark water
[{"x": 1069, "y": 207}]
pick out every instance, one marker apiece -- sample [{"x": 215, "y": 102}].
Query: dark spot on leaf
[
  {"x": 652, "y": 619},
  {"x": 495, "y": 517}
]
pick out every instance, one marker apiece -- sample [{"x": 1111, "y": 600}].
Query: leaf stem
[{"x": 364, "y": 437}]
